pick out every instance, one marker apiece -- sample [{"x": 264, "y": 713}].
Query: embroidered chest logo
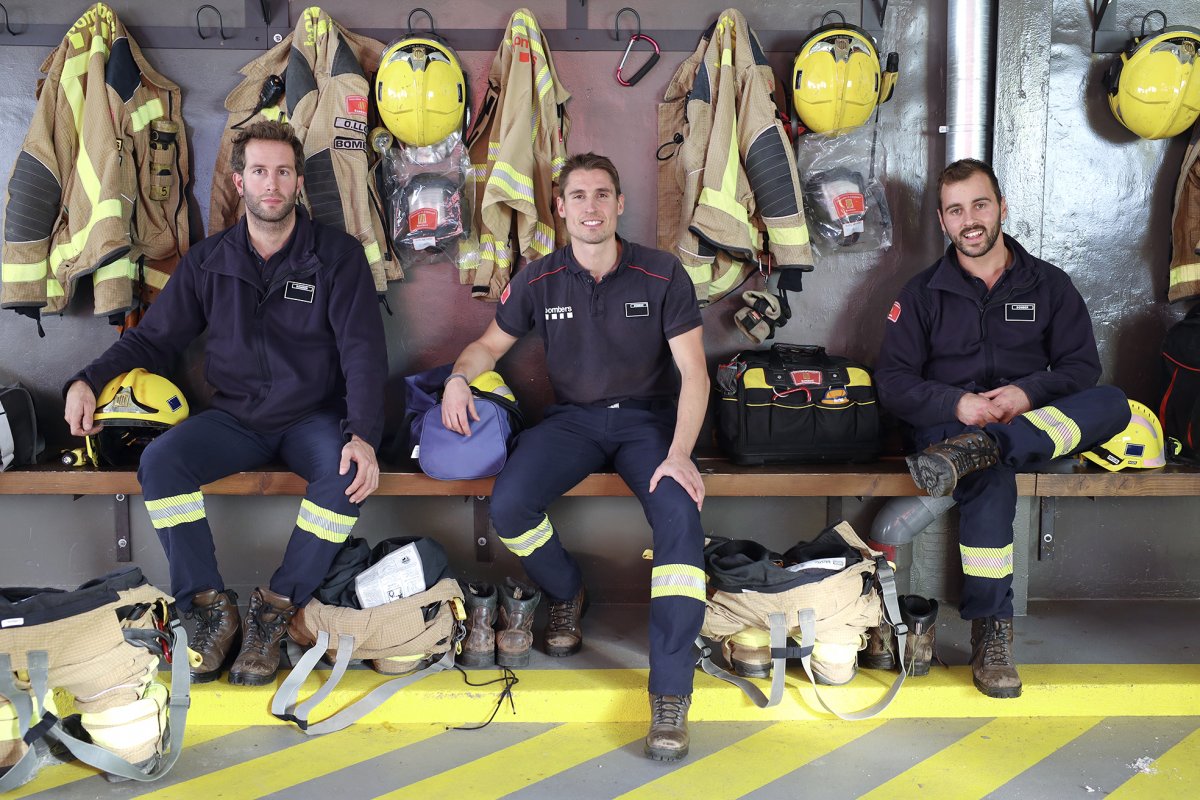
[
  {"x": 302, "y": 292},
  {"x": 1020, "y": 312},
  {"x": 641, "y": 309},
  {"x": 559, "y": 312}
]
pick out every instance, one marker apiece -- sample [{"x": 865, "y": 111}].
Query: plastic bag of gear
[{"x": 843, "y": 175}]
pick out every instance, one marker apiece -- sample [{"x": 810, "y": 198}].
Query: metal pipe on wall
[{"x": 970, "y": 78}]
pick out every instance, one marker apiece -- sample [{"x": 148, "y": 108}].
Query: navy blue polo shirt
[{"x": 606, "y": 341}]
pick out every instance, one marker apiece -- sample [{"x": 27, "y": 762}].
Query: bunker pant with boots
[
  {"x": 218, "y": 632},
  {"x": 266, "y": 625},
  {"x": 514, "y": 639},
  {"x": 668, "y": 736},
  {"x": 479, "y": 646},
  {"x": 992, "y": 665},
  {"x": 937, "y": 468}
]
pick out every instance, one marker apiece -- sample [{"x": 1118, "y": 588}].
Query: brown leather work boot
[
  {"x": 564, "y": 635},
  {"x": 992, "y": 664},
  {"x": 938, "y": 468},
  {"x": 668, "y": 736},
  {"x": 514, "y": 640},
  {"x": 266, "y": 625},
  {"x": 880, "y": 652},
  {"x": 479, "y": 646},
  {"x": 218, "y": 632},
  {"x": 920, "y": 615}
]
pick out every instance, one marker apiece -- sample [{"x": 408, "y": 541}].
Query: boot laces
[
  {"x": 260, "y": 632},
  {"x": 968, "y": 455},
  {"x": 562, "y": 615},
  {"x": 208, "y": 621},
  {"x": 668, "y": 709},
  {"x": 996, "y": 652}
]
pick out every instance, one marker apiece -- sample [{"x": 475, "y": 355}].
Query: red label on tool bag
[{"x": 806, "y": 377}]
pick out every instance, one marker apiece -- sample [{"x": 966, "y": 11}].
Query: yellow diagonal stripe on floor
[
  {"x": 309, "y": 759},
  {"x": 1175, "y": 774},
  {"x": 520, "y": 765},
  {"x": 62, "y": 774},
  {"x": 754, "y": 761},
  {"x": 986, "y": 759}
]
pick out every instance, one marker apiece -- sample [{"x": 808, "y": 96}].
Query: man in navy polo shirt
[
  {"x": 989, "y": 355},
  {"x": 617, "y": 320}
]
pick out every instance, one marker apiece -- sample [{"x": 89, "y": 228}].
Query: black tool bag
[
  {"x": 1179, "y": 411},
  {"x": 796, "y": 404},
  {"x": 20, "y": 443}
]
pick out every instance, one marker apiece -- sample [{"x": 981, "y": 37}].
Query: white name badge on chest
[
  {"x": 1020, "y": 312},
  {"x": 302, "y": 292},
  {"x": 641, "y": 309}
]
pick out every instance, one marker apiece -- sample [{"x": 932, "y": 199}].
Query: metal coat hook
[
  {"x": 1150, "y": 14},
  {"x": 825, "y": 16},
  {"x": 428, "y": 16},
  {"x": 220, "y": 21},
  {"x": 7, "y": 27},
  {"x": 617, "y": 24}
]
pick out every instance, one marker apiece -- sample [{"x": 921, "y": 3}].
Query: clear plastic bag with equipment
[
  {"x": 430, "y": 197},
  {"x": 843, "y": 175}
]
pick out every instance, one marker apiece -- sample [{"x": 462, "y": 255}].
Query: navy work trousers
[
  {"x": 212, "y": 445},
  {"x": 568, "y": 445},
  {"x": 987, "y": 499}
]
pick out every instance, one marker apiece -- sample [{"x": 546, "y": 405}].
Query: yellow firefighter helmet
[
  {"x": 1140, "y": 445},
  {"x": 420, "y": 90},
  {"x": 1154, "y": 85},
  {"x": 837, "y": 79},
  {"x": 134, "y": 408}
]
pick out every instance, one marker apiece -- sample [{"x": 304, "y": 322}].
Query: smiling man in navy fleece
[{"x": 989, "y": 355}]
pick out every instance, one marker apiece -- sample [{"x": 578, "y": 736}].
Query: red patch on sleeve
[
  {"x": 356, "y": 104},
  {"x": 504, "y": 295},
  {"x": 894, "y": 314}
]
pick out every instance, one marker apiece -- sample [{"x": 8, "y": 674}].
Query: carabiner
[{"x": 650, "y": 62}]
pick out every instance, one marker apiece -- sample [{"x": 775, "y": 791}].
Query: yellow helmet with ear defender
[
  {"x": 420, "y": 90},
  {"x": 1140, "y": 445},
  {"x": 1154, "y": 85},
  {"x": 837, "y": 79}
]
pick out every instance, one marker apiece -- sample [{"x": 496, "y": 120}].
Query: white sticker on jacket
[
  {"x": 1020, "y": 312},
  {"x": 641, "y": 309},
  {"x": 302, "y": 292}
]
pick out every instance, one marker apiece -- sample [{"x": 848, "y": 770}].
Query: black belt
[{"x": 640, "y": 403}]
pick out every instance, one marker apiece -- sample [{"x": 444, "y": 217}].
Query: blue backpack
[{"x": 446, "y": 455}]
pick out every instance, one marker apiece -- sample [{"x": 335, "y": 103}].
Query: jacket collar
[
  {"x": 623, "y": 261},
  {"x": 233, "y": 256},
  {"x": 949, "y": 276}
]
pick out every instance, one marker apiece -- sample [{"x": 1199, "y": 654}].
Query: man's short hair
[
  {"x": 963, "y": 169},
  {"x": 588, "y": 161},
  {"x": 266, "y": 130}
]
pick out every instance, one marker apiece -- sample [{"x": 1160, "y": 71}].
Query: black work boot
[
  {"x": 920, "y": 615},
  {"x": 266, "y": 625},
  {"x": 938, "y": 468},
  {"x": 668, "y": 736},
  {"x": 218, "y": 632},
  {"x": 479, "y": 646},
  {"x": 514, "y": 639},
  {"x": 564, "y": 635},
  {"x": 992, "y": 664}
]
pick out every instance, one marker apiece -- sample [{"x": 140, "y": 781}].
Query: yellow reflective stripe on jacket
[
  {"x": 557, "y": 165},
  {"x": 73, "y": 68},
  {"x": 1185, "y": 273},
  {"x": 154, "y": 277},
  {"x": 323, "y": 523},
  {"x": 1061, "y": 429},
  {"x": 147, "y": 113},
  {"x": 372, "y": 252},
  {"x": 25, "y": 273},
  {"x": 677, "y": 580},
  {"x": 525, "y": 543},
  {"x": 509, "y": 180},
  {"x": 74, "y": 246},
  {"x": 543, "y": 239},
  {"x": 121, "y": 268},
  {"x": 987, "y": 562},
  {"x": 725, "y": 197},
  {"x": 167, "y": 512},
  {"x": 787, "y": 235},
  {"x": 727, "y": 280}
]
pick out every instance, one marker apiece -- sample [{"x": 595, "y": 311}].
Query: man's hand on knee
[
  {"x": 80, "y": 410},
  {"x": 978, "y": 410},
  {"x": 1011, "y": 399},
  {"x": 367, "y": 478},
  {"x": 684, "y": 471}
]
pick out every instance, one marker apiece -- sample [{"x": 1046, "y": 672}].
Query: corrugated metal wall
[{"x": 1082, "y": 193}]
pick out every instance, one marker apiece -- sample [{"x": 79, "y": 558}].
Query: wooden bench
[{"x": 885, "y": 478}]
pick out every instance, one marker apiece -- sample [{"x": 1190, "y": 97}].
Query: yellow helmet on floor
[
  {"x": 420, "y": 90},
  {"x": 134, "y": 408},
  {"x": 1154, "y": 86},
  {"x": 837, "y": 79},
  {"x": 1139, "y": 445}
]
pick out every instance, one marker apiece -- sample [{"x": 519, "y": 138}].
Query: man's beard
[
  {"x": 261, "y": 213},
  {"x": 981, "y": 247}
]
